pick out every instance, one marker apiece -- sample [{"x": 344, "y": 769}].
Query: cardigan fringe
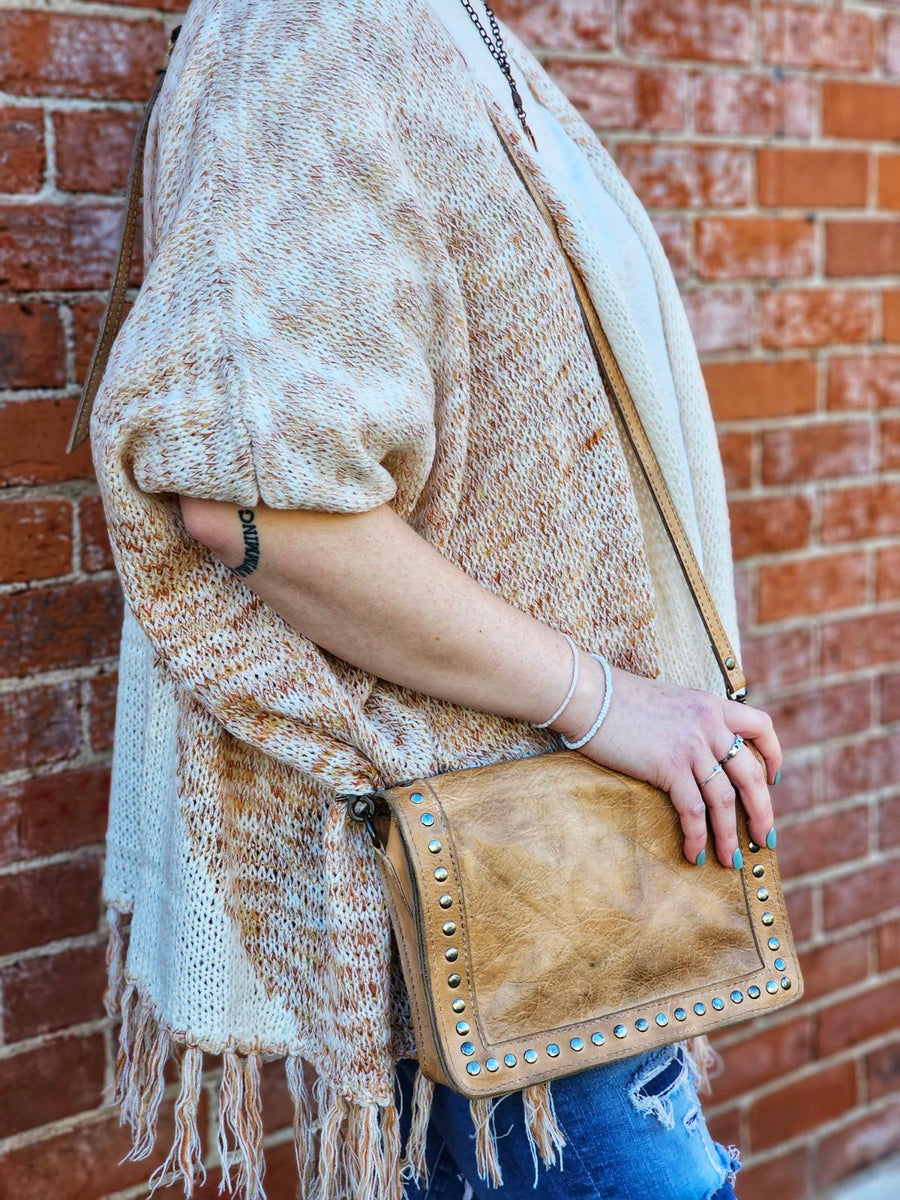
[{"x": 347, "y": 1150}]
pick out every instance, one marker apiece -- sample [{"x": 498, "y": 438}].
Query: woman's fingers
[
  {"x": 755, "y": 724},
  {"x": 719, "y": 796},
  {"x": 748, "y": 775},
  {"x": 691, "y": 809}
]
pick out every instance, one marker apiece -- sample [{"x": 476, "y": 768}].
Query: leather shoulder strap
[
  {"x": 115, "y": 305},
  {"x": 735, "y": 681}
]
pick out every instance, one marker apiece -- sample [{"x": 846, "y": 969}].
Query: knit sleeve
[{"x": 280, "y": 346}]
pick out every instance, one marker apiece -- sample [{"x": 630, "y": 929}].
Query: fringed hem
[{"x": 348, "y": 1151}]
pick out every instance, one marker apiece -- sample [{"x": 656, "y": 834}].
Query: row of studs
[{"x": 597, "y": 1038}]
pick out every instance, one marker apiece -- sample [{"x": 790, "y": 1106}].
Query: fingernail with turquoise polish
[
  {"x": 777, "y": 778},
  {"x": 737, "y": 859},
  {"x": 700, "y": 859},
  {"x": 771, "y": 838}
]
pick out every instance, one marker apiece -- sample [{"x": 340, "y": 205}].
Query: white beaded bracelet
[
  {"x": 570, "y": 693},
  {"x": 604, "y": 708}
]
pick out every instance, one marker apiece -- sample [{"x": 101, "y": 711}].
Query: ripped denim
[{"x": 634, "y": 1129}]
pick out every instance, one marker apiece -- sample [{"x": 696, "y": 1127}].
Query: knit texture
[{"x": 349, "y": 299}]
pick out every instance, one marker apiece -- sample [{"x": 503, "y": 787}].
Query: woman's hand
[{"x": 673, "y": 737}]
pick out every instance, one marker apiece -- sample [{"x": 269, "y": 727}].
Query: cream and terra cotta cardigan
[{"x": 350, "y": 299}]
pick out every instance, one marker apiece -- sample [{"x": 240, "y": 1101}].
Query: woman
[{"x": 361, "y": 477}]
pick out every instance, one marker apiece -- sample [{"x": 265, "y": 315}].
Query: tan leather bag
[{"x": 545, "y": 915}]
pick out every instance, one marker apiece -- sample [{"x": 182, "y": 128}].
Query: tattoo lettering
[{"x": 251, "y": 542}]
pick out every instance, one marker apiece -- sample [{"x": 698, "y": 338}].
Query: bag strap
[
  {"x": 735, "y": 681},
  {"x": 115, "y": 306}
]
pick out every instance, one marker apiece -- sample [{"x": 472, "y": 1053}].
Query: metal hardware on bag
[{"x": 361, "y": 808}]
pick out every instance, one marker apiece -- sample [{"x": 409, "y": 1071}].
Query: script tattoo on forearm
[{"x": 251, "y": 542}]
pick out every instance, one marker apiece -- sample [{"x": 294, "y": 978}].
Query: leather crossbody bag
[{"x": 544, "y": 913}]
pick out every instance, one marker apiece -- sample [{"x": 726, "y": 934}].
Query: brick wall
[{"x": 763, "y": 138}]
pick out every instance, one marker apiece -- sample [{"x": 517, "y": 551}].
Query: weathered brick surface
[{"x": 763, "y": 137}]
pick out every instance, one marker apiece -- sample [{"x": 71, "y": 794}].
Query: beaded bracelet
[
  {"x": 570, "y": 693},
  {"x": 604, "y": 708}
]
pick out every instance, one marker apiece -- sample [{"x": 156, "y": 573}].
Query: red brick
[
  {"x": 862, "y": 247},
  {"x": 769, "y": 524},
  {"x": 102, "y": 711},
  {"x": 716, "y": 30},
  {"x": 675, "y": 235},
  {"x": 39, "y": 725},
  {"x": 889, "y": 181},
  {"x": 736, "y": 452},
  {"x": 863, "y": 111},
  {"x": 769, "y": 1054},
  {"x": 889, "y": 823},
  {"x": 610, "y": 95},
  {"x": 21, "y": 149},
  {"x": 93, "y": 149},
  {"x": 677, "y": 175},
  {"x": 891, "y": 37},
  {"x": 891, "y": 306},
  {"x": 65, "y": 626},
  {"x": 754, "y": 247},
  {"x": 746, "y": 105},
  {"x": 812, "y": 585},
  {"x": 800, "y": 178},
  {"x": 833, "y": 966},
  {"x": 781, "y": 1178},
  {"x": 55, "y": 54},
  {"x": 35, "y": 539},
  {"x": 33, "y": 436},
  {"x": 817, "y": 317},
  {"x": 800, "y": 787},
  {"x": 800, "y": 1106},
  {"x": 860, "y": 511},
  {"x": 86, "y": 1161},
  {"x": 53, "y": 991},
  {"x": 822, "y": 451},
  {"x": 890, "y": 695},
  {"x": 52, "y": 813},
  {"x": 887, "y": 574},
  {"x": 857, "y": 381},
  {"x": 86, "y": 318},
  {"x": 863, "y": 766},
  {"x": 725, "y": 1126},
  {"x": 889, "y": 946},
  {"x": 760, "y": 388},
  {"x": 816, "y": 714},
  {"x": 883, "y": 1071},
  {"x": 46, "y": 903},
  {"x": 59, "y": 246},
  {"x": 862, "y": 895},
  {"x": 853, "y": 1147},
  {"x": 819, "y": 842},
  {"x": 566, "y": 25},
  {"x": 721, "y": 318},
  {"x": 773, "y": 660},
  {"x": 58, "y": 1079},
  {"x": 96, "y": 553},
  {"x": 32, "y": 346},
  {"x": 857, "y": 642},
  {"x": 889, "y": 439},
  {"x": 280, "y": 1178},
  {"x": 813, "y": 37},
  {"x": 800, "y": 912}
]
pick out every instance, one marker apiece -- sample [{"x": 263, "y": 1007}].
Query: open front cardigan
[{"x": 349, "y": 299}]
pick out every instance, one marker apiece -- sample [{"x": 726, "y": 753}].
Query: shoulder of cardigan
[{"x": 735, "y": 681}]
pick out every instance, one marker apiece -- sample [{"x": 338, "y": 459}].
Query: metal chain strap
[{"x": 498, "y": 51}]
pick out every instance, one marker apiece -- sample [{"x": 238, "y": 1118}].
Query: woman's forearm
[{"x": 367, "y": 588}]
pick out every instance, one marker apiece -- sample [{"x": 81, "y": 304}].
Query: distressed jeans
[{"x": 634, "y": 1130}]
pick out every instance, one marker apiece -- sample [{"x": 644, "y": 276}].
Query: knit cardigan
[{"x": 349, "y": 299}]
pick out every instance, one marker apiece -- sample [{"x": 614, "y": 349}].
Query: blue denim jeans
[{"x": 634, "y": 1130}]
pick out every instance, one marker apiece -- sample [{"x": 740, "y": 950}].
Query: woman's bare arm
[{"x": 367, "y": 588}]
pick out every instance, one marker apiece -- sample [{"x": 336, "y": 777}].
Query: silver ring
[
  {"x": 716, "y": 769},
  {"x": 735, "y": 746}
]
